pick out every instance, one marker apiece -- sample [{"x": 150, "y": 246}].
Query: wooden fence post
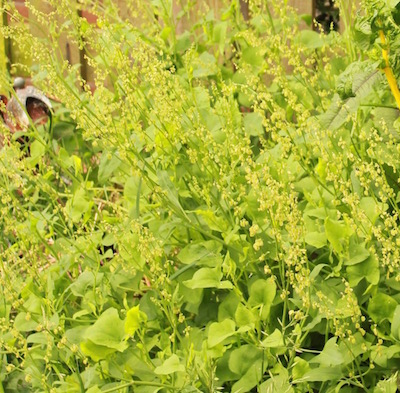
[{"x": 5, "y": 47}]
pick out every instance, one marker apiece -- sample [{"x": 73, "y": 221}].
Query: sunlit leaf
[
  {"x": 219, "y": 331},
  {"x": 170, "y": 366}
]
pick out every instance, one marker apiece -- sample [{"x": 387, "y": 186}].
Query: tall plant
[{"x": 219, "y": 214}]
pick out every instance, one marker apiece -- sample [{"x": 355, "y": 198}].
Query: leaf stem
[{"x": 388, "y": 70}]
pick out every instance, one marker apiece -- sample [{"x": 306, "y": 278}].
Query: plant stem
[
  {"x": 388, "y": 70},
  {"x": 139, "y": 383}
]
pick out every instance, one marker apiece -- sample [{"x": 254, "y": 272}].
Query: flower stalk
[{"x": 388, "y": 70}]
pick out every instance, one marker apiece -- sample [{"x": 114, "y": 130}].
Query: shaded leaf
[
  {"x": 381, "y": 307},
  {"x": 395, "y": 328},
  {"x": 339, "y": 112},
  {"x": 109, "y": 163}
]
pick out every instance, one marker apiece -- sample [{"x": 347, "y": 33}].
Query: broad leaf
[
  {"x": 108, "y": 331},
  {"x": 219, "y": 331},
  {"x": 330, "y": 355},
  {"x": 274, "y": 340},
  {"x": 109, "y": 163},
  {"x": 134, "y": 319},
  {"x": 322, "y": 374},
  {"x": 381, "y": 307},
  {"x": 208, "y": 278},
  {"x": 336, "y": 232},
  {"x": 368, "y": 269},
  {"x": 262, "y": 294},
  {"x": 170, "y": 366}
]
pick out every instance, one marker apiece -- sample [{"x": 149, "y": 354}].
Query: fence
[{"x": 9, "y": 53}]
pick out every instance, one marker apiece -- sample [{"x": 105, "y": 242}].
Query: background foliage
[{"x": 220, "y": 214}]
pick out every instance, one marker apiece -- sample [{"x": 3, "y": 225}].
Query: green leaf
[
  {"x": 300, "y": 368},
  {"x": 24, "y": 323},
  {"x": 395, "y": 328},
  {"x": 95, "y": 351},
  {"x": 358, "y": 79},
  {"x": 392, "y": 3},
  {"x": 262, "y": 294},
  {"x": 134, "y": 319},
  {"x": 330, "y": 355},
  {"x": 214, "y": 222},
  {"x": 228, "y": 307},
  {"x": 387, "y": 385},
  {"x": 194, "y": 252},
  {"x": 170, "y": 366},
  {"x": 277, "y": 383},
  {"x": 108, "y": 332},
  {"x": 94, "y": 389},
  {"x": 322, "y": 374},
  {"x": 383, "y": 354},
  {"x": 132, "y": 188},
  {"x": 316, "y": 239},
  {"x": 85, "y": 281},
  {"x": 315, "y": 272},
  {"x": 254, "y": 57},
  {"x": 74, "y": 335},
  {"x": 307, "y": 18},
  {"x": 172, "y": 193},
  {"x": 37, "y": 150},
  {"x": 205, "y": 65},
  {"x": 208, "y": 278},
  {"x": 253, "y": 124},
  {"x": 220, "y": 331},
  {"x": 274, "y": 340},
  {"x": 183, "y": 42},
  {"x": 202, "y": 98},
  {"x": 381, "y": 307},
  {"x": 364, "y": 82},
  {"x": 339, "y": 112},
  {"x": 336, "y": 232},
  {"x": 78, "y": 205},
  {"x": 37, "y": 338},
  {"x": 368, "y": 269},
  {"x": 244, "y": 316},
  {"x": 310, "y": 39},
  {"x": 357, "y": 253},
  {"x": 247, "y": 362},
  {"x": 370, "y": 208},
  {"x": 80, "y": 313},
  {"x": 244, "y": 357},
  {"x": 219, "y": 35},
  {"x": 166, "y": 31},
  {"x": 109, "y": 163}
]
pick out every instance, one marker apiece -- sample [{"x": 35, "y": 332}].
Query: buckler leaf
[{"x": 134, "y": 319}]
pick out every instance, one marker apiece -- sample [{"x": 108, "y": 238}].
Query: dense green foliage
[{"x": 220, "y": 214}]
